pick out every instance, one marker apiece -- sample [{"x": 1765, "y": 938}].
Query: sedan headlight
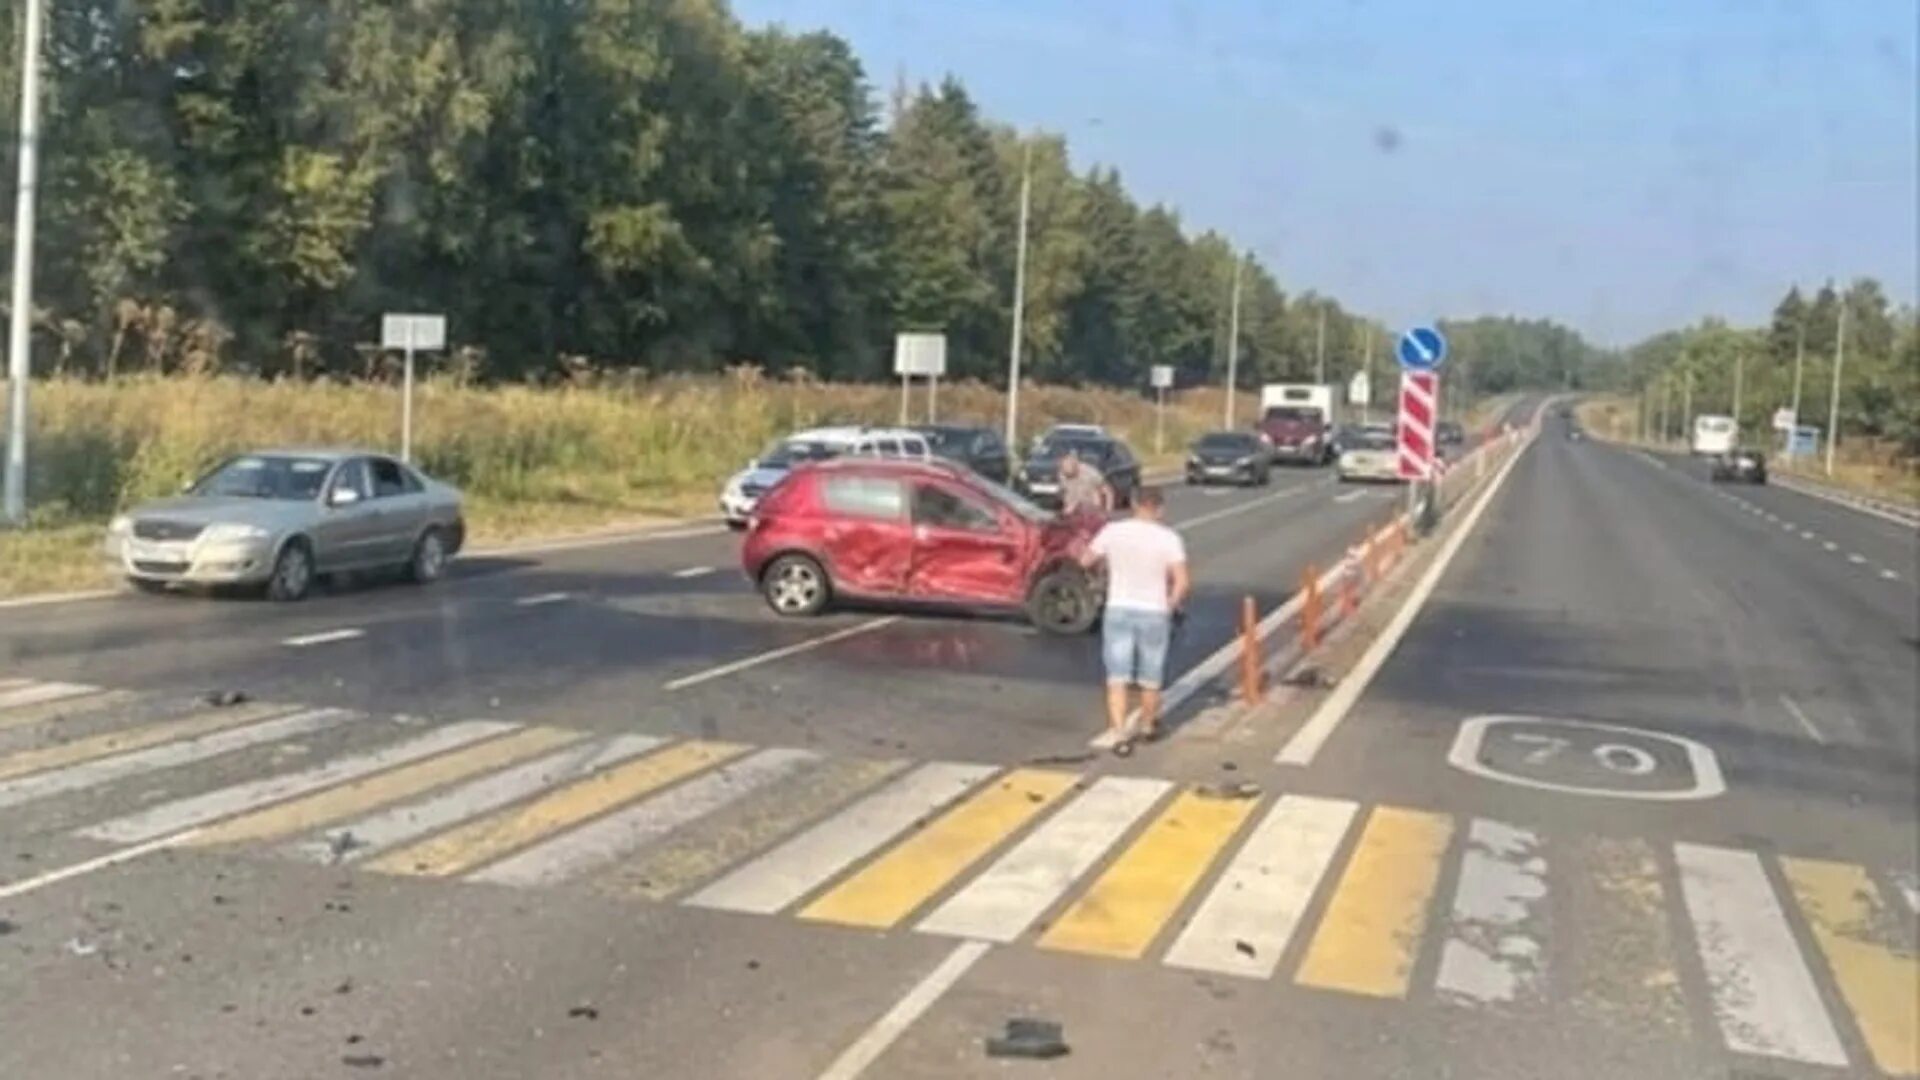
[
  {"x": 228, "y": 532},
  {"x": 121, "y": 525}
]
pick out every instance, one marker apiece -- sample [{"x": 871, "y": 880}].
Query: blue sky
[{"x": 1623, "y": 166}]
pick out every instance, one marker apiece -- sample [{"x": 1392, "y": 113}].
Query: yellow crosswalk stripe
[
  {"x": 1876, "y": 971},
  {"x": 1619, "y": 964},
  {"x": 892, "y": 886},
  {"x": 139, "y": 738},
  {"x": 1123, "y": 911},
  {"x": 485, "y": 839},
  {"x": 40, "y": 712},
  {"x": 702, "y": 850},
  {"x": 347, "y": 800},
  {"x": 1371, "y": 931}
]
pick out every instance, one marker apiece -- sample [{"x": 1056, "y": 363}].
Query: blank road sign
[
  {"x": 1162, "y": 376},
  {"x": 422, "y": 333},
  {"x": 924, "y": 355}
]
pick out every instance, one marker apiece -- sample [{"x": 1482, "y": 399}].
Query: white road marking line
[
  {"x": 1349, "y": 496},
  {"x": 1229, "y": 511},
  {"x": 1908, "y": 883},
  {"x": 874, "y": 1041},
  {"x": 373, "y": 834},
  {"x": 1788, "y": 526},
  {"x": 167, "y": 755},
  {"x": 198, "y": 810},
  {"x": 781, "y": 653},
  {"x": 1801, "y": 716},
  {"x": 49, "y": 599},
  {"x": 1003, "y": 902},
  {"x": 88, "y": 866},
  {"x": 324, "y": 637},
  {"x": 1855, "y": 504},
  {"x": 542, "y": 599},
  {"x": 1856, "y": 558},
  {"x": 1831, "y": 546},
  {"x": 797, "y": 867},
  {"x": 1889, "y": 575},
  {"x": 1763, "y": 995},
  {"x": 538, "y": 547},
  {"x": 608, "y": 838},
  {"x": 1808, "y": 534},
  {"x": 1489, "y": 957},
  {"x": 693, "y": 572},
  {"x": 1306, "y": 743},
  {"x": 37, "y": 693},
  {"x": 1244, "y": 924}
]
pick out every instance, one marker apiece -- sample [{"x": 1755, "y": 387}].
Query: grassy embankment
[
  {"x": 1859, "y": 466},
  {"x": 532, "y": 461}
]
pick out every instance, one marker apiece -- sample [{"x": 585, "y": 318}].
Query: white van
[
  {"x": 743, "y": 490},
  {"x": 1714, "y": 435}
]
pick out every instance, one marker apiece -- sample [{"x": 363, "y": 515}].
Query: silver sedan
[{"x": 281, "y": 518}]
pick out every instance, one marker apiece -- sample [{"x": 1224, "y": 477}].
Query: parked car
[
  {"x": 918, "y": 533},
  {"x": 1039, "y": 478},
  {"x": 1449, "y": 433},
  {"x": 978, "y": 447},
  {"x": 280, "y": 518},
  {"x": 1369, "y": 453},
  {"x": 743, "y": 490},
  {"x": 1232, "y": 457},
  {"x": 1742, "y": 465}
]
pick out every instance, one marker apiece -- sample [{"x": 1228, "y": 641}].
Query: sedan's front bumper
[
  {"x": 737, "y": 506},
  {"x": 1369, "y": 469},
  {"x": 1231, "y": 473},
  {"x": 191, "y": 562}
]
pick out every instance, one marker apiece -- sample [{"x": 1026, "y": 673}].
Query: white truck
[
  {"x": 1298, "y": 421},
  {"x": 1714, "y": 435}
]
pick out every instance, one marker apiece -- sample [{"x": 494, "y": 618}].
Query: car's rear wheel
[
  {"x": 292, "y": 575},
  {"x": 1064, "y": 601},
  {"x": 429, "y": 562},
  {"x": 795, "y": 585}
]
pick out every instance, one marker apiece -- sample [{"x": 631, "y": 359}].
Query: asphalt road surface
[{"x": 595, "y": 812}]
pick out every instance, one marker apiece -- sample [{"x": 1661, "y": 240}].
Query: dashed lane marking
[
  {"x": 543, "y": 599},
  {"x": 693, "y": 572},
  {"x": 1800, "y": 715},
  {"x": 771, "y": 655},
  {"x": 324, "y": 637}
]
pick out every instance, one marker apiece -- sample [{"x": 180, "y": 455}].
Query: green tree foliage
[{"x": 640, "y": 184}]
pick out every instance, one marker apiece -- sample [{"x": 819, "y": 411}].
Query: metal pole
[
  {"x": 1739, "y": 375},
  {"x": 1019, "y": 298},
  {"x": 1686, "y": 403},
  {"x": 1366, "y": 368},
  {"x": 1320, "y": 347},
  {"x": 1159, "y": 420},
  {"x": 20, "y": 326},
  {"x": 406, "y": 403},
  {"x": 1799, "y": 368},
  {"x": 1233, "y": 339},
  {"x": 1666, "y": 409},
  {"x": 906, "y": 383},
  {"x": 1833, "y": 405},
  {"x": 933, "y": 397}
]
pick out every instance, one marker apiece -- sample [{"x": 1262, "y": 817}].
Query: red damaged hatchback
[{"x": 917, "y": 533}]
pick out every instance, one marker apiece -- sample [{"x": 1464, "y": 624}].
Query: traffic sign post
[
  {"x": 1162, "y": 378},
  {"x": 410, "y": 334},
  {"x": 1421, "y": 351},
  {"x": 924, "y": 355}
]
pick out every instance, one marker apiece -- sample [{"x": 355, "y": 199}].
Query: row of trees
[
  {"x": 642, "y": 183},
  {"x": 1791, "y": 361}
]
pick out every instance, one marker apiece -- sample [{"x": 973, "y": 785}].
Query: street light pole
[
  {"x": 1833, "y": 403},
  {"x": 1366, "y": 369},
  {"x": 1799, "y": 367},
  {"x": 1019, "y": 298},
  {"x": 1320, "y": 347},
  {"x": 20, "y": 324},
  {"x": 1233, "y": 339},
  {"x": 1739, "y": 375}
]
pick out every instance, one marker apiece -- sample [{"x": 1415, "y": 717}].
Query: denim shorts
[{"x": 1134, "y": 646}]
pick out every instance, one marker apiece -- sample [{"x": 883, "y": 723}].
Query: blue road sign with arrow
[{"x": 1422, "y": 349}]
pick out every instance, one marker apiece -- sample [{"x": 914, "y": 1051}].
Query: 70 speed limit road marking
[{"x": 1581, "y": 757}]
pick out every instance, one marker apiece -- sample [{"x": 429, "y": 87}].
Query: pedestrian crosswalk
[{"x": 1794, "y": 959}]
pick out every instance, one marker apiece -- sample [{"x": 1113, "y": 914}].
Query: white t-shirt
[{"x": 1139, "y": 556}]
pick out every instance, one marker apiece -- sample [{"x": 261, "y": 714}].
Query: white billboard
[{"x": 923, "y": 355}]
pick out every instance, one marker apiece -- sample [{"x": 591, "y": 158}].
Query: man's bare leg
[
  {"x": 1149, "y": 711},
  {"x": 1117, "y": 708}
]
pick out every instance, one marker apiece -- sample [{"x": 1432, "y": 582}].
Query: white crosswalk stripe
[
  {"x": 1003, "y": 901},
  {"x": 624, "y": 831},
  {"x": 186, "y": 813},
  {"x": 37, "y": 693},
  {"x": 1763, "y": 995},
  {"x": 779, "y": 878},
  {"x": 90, "y": 774},
  {"x": 1491, "y": 956},
  {"x": 377, "y": 832},
  {"x": 1245, "y": 923}
]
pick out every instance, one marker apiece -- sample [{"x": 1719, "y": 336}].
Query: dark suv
[
  {"x": 1229, "y": 457},
  {"x": 1039, "y": 478},
  {"x": 1740, "y": 466},
  {"x": 977, "y": 447},
  {"x": 925, "y": 533}
]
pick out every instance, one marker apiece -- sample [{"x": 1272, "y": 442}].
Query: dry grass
[{"x": 533, "y": 461}]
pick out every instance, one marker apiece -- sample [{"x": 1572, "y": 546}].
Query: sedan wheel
[
  {"x": 292, "y": 573},
  {"x": 795, "y": 585},
  {"x": 1064, "y": 602},
  {"x": 429, "y": 560}
]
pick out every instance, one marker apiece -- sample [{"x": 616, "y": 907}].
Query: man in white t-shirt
[{"x": 1147, "y": 584}]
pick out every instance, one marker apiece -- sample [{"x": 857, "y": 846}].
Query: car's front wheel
[
  {"x": 795, "y": 585},
  {"x": 292, "y": 573},
  {"x": 429, "y": 562},
  {"x": 1064, "y": 601}
]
